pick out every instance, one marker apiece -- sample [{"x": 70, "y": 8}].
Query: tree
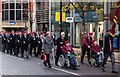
[{"x": 30, "y": 13}]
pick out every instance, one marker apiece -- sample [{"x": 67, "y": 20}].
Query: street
[{"x": 12, "y": 65}]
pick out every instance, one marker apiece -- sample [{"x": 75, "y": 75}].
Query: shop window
[
  {"x": 18, "y": 14},
  {"x": 12, "y": 15}
]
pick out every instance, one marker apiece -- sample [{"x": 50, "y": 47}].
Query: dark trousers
[
  {"x": 39, "y": 50},
  {"x": 112, "y": 57},
  {"x": 4, "y": 46},
  {"x": 58, "y": 53},
  {"x": 48, "y": 59},
  {"x": 83, "y": 54},
  {"x": 18, "y": 48},
  {"x": 26, "y": 51},
  {"x": 31, "y": 48},
  {"x": 8, "y": 47},
  {"x": 12, "y": 49}
]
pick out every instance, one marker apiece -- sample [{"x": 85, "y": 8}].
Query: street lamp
[{"x": 61, "y": 16}]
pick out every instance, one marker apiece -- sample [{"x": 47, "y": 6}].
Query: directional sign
[{"x": 69, "y": 19}]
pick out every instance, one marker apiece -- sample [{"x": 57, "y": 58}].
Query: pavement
[
  {"x": 12, "y": 65},
  {"x": 117, "y": 55}
]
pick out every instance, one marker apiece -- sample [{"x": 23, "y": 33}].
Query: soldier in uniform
[
  {"x": 18, "y": 42},
  {"x": 109, "y": 51},
  {"x": 60, "y": 42},
  {"x": 39, "y": 40},
  {"x": 53, "y": 36},
  {"x": 12, "y": 43},
  {"x": 24, "y": 47},
  {"x": 33, "y": 44},
  {"x": 86, "y": 47},
  {"x": 4, "y": 41},
  {"x": 8, "y": 42}
]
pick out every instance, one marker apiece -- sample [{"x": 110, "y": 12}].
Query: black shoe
[
  {"x": 50, "y": 66},
  {"x": 114, "y": 72},
  {"x": 89, "y": 63},
  {"x": 45, "y": 64},
  {"x": 27, "y": 56},
  {"x": 56, "y": 64},
  {"x": 103, "y": 69},
  {"x": 82, "y": 62}
]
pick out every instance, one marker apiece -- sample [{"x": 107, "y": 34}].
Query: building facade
[
  {"x": 42, "y": 15},
  {"x": 14, "y": 14}
]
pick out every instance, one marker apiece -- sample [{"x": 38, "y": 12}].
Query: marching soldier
[
  {"x": 4, "y": 41},
  {"x": 12, "y": 43},
  {"x": 18, "y": 42},
  {"x": 53, "y": 36},
  {"x": 8, "y": 42},
  {"x": 33, "y": 43},
  {"x": 39, "y": 40},
  {"x": 60, "y": 42},
  {"x": 24, "y": 47}
]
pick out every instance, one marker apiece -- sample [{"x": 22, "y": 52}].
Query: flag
[{"x": 115, "y": 19}]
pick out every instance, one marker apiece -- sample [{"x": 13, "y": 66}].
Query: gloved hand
[{"x": 98, "y": 53}]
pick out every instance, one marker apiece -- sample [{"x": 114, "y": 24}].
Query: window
[
  {"x": 25, "y": 14},
  {"x": 18, "y": 14},
  {"x": 12, "y": 15},
  {"x": 6, "y": 5},
  {"x": 18, "y": 5},
  {"x": 3, "y": 6},
  {"x": 11, "y": 5},
  {"x": 5, "y": 15},
  {"x": 25, "y": 5}
]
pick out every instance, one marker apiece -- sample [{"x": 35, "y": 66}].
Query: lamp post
[{"x": 61, "y": 16}]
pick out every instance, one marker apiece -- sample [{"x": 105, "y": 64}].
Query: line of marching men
[
  {"x": 16, "y": 43},
  {"x": 24, "y": 43}
]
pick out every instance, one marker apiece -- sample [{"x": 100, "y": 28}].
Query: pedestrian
[
  {"x": 47, "y": 48},
  {"x": 12, "y": 43},
  {"x": 60, "y": 42},
  {"x": 24, "y": 47},
  {"x": 87, "y": 41},
  {"x": 109, "y": 51}
]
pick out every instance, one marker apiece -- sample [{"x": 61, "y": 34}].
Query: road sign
[
  {"x": 57, "y": 16},
  {"x": 69, "y": 19}
]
